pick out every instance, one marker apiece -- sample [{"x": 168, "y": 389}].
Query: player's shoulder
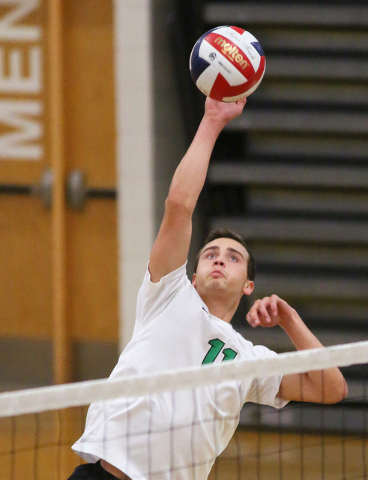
[
  {"x": 245, "y": 344},
  {"x": 154, "y": 297},
  {"x": 173, "y": 280},
  {"x": 250, "y": 350},
  {"x": 261, "y": 351}
]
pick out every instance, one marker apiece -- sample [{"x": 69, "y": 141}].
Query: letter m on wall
[{"x": 20, "y": 134}]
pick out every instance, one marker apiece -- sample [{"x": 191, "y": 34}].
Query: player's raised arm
[{"x": 171, "y": 247}]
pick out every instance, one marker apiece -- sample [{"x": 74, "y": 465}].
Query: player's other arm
[
  {"x": 171, "y": 247},
  {"x": 322, "y": 386}
]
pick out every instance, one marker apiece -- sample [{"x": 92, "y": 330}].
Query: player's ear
[
  {"x": 248, "y": 287},
  {"x": 194, "y": 280}
]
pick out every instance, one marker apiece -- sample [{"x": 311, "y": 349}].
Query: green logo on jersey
[{"x": 216, "y": 347}]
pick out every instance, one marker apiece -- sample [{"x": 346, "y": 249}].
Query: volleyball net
[{"x": 300, "y": 441}]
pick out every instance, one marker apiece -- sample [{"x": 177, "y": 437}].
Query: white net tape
[{"x": 83, "y": 393}]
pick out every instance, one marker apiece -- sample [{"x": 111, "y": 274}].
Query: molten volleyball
[{"x": 227, "y": 63}]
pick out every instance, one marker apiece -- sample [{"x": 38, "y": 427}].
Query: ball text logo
[{"x": 231, "y": 52}]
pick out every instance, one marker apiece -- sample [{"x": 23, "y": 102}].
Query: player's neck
[{"x": 220, "y": 308}]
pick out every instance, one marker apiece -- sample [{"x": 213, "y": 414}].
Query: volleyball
[{"x": 227, "y": 63}]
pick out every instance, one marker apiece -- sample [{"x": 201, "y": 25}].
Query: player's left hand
[{"x": 269, "y": 311}]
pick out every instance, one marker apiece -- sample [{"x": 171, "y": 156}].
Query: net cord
[{"x": 83, "y": 393}]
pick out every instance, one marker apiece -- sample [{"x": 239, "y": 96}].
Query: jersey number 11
[{"x": 216, "y": 347}]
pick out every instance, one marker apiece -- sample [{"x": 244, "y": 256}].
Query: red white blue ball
[{"x": 227, "y": 63}]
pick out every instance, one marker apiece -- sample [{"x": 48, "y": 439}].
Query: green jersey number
[{"x": 216, "y": 347}]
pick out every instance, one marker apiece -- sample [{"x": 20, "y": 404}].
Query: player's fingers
[
  {"x": 274, "y": 299},
  {"x": 255, "y": 306},
  {"x": 259, "y": 312},
  {"x": 253, "y": 322},
  {"x": 242, "y": 101},
  {"x": 252, "y": 315},
  {"x": 249, "y": 319},
  {"x": 263, "y": 312}
]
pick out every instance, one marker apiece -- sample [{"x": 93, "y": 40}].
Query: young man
[{"x": 182, "y": 324}]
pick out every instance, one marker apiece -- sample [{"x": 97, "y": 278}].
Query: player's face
[{"x": 223, "y": 266}]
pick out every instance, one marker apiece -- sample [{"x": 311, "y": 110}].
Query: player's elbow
[
  {"x": 337, "y": 392},
  {"x": 178, "y": 203},
  {"x": 343, "y": 392}
]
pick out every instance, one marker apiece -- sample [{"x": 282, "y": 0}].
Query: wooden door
[{"x": 57, "y": 112}]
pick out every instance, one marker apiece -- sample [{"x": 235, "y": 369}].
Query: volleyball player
[{"x": 183, "y": 324}]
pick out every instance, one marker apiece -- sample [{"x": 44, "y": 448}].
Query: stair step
[
  {"x": 312, "y": 257},
  {"x": 291, "y": 175},
  {"x": 321, "y": 202},
  {"x": 336, "y": 232},
  {"x": 291, "y": 120},
  {"x": 317, "y": 286},
  {"x": 352, "y": 314},
  {"x": 305, "y": 67},
  {"x": 334, "y": 16},
  {"x": 301, "y": 143},
  {"x": 340, "y": 94},
  {"x": 319, "y": 41}
]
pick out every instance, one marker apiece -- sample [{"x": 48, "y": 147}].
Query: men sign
[{"x": 21, "y": 80}]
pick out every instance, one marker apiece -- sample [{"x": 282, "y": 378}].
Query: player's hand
[
  {"x": 269, "y": 311},
  {"x": 221, "y": 112}
]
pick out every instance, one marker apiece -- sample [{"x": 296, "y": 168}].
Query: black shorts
[{"x": 91, "y": 471}]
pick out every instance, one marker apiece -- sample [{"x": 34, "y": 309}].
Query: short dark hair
[{"x": 225, "y": 233}]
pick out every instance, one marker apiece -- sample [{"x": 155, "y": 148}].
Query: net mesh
[{"x": 300, "y": 441}]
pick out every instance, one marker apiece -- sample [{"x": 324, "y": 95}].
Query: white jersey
[{"x": 174, "y": 436}]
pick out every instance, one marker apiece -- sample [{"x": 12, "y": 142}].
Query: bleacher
[{"x": 291, "y": 173}]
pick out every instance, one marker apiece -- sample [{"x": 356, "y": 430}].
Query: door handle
[
  {"x": 76, "y": 190},
  {"x": 43, "y": 190}
]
